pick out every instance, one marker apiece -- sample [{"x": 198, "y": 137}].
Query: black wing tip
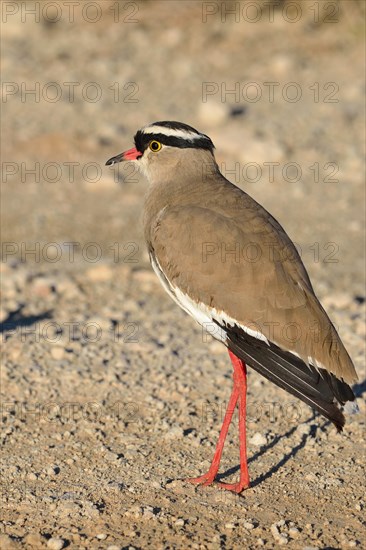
[
  {"x": 323, "y": 392},
  {"x": 337, "y": 418}
]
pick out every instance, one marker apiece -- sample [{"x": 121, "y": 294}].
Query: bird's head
[{"x": 162, "y": 146}]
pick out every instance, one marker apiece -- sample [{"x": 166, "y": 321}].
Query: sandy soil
[{"x": 111, "y": 395}]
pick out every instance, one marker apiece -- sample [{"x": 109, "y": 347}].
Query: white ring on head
[{"x": 185, "y": 134}]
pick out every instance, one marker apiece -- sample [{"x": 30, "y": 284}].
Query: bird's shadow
[
  {"x": 313, "y": 429},
  {"x": 16, "y": 320},
  {"x": 359, "y": 389}
]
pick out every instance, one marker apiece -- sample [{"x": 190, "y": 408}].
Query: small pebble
[
  {"x": 248, "y": 525},
  {"x": 101, "y": 536},
  {"x": 179, "y": 522},
  {"x": 53, "y": 470},
  {"x": 55, "y": 543},
  {"x": 7, "y": 543},
  {"x": 229, "y": 526},
  {"x": 175, "y": 433},
  {"x": 33, "y": 539},
  {"x": 303, "y": 429},
  {"x": 148, "y": 513},
  {"x": 258, "y": 439},
  {"x": 57, "y": 353},
  {"x": 3, "y": 315},
  {"x": 99, "y": 273}
]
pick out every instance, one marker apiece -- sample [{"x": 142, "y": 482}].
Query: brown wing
[{"x": 247, "y": 267}]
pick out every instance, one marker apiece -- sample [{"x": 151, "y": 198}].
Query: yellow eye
[{"x": 155, "y": 146}]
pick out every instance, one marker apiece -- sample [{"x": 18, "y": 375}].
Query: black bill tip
[{"x": 114, "y": 160}]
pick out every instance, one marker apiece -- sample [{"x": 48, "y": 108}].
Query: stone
[
  {"x": 55, "y": 543},
  {"x": 258, "y": 440}
]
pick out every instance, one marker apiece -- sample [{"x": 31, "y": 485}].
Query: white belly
[{"x": 208, "y": 317}]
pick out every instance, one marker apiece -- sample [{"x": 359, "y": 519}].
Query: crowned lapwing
[{"x": 231, "y": 266}]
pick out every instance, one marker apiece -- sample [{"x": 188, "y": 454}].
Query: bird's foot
[
  {"x": 234, "y": 487},
  {"x": 208, "y": 479},
  {"x": 205, "y": 479}
]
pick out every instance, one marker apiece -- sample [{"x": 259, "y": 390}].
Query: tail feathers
[{"x": 319, "y": 389}]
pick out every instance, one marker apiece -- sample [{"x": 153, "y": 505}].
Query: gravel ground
[{"x": 111, "y": 395}]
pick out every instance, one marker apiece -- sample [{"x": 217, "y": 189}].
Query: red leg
[
  {"x": 241, "y": 370},
  {"x": 208, "y": 478},
  {"x": 238, "y": 394}
]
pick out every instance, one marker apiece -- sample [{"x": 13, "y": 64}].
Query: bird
[{"x": 228, "y": 263}]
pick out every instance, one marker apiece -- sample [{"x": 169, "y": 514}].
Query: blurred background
[
  {"x": 78, "y": 83},
  {"x": 279, "y": 87}
]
